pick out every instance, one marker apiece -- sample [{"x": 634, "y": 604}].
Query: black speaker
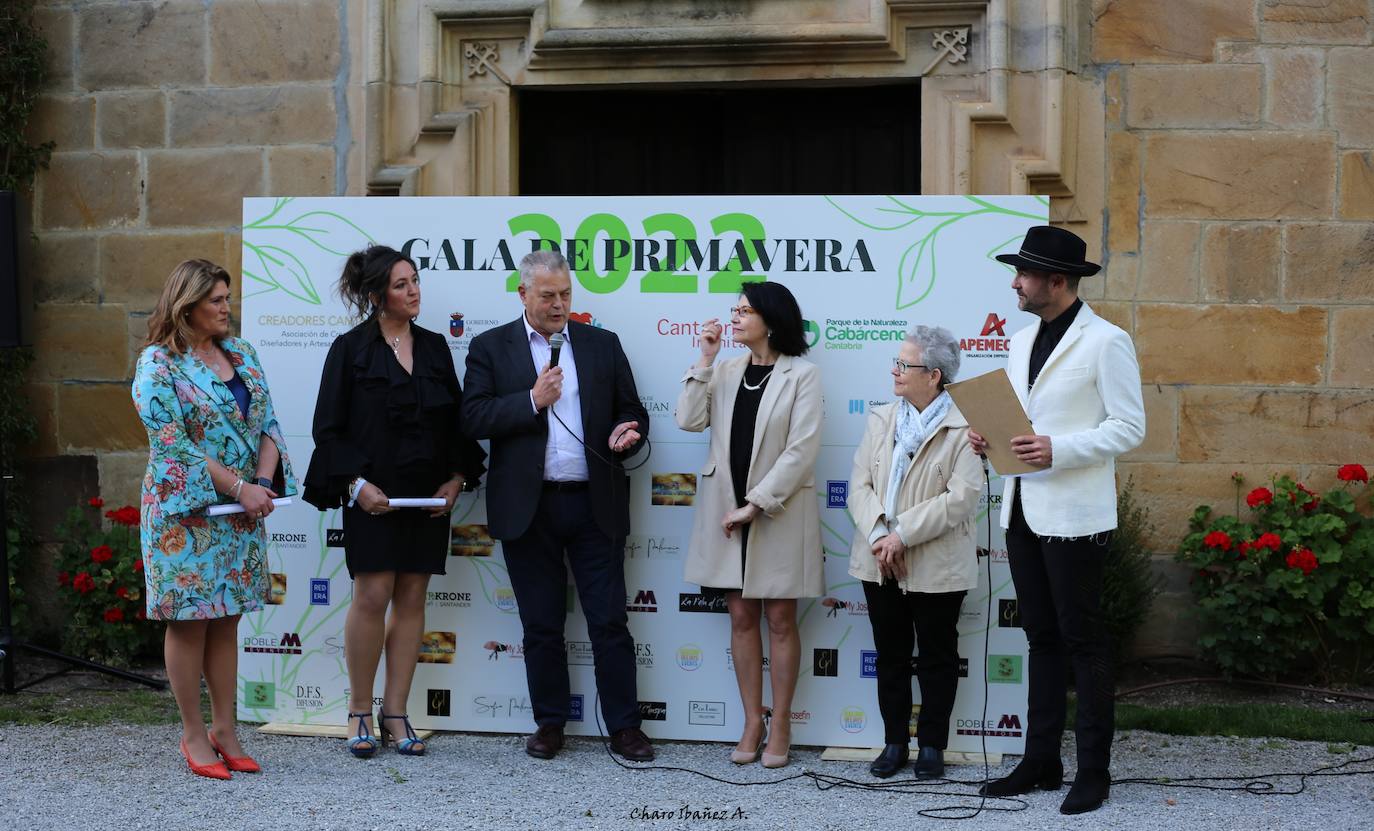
[{"x": 9, "y": 270}]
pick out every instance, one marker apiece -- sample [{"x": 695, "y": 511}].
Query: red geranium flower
[
  {"x": 96, "y": 502},
  {"x": 1259, "y": 496},
  {"x": 1352, "y": 473},
  {"x": 1269, "y": 540},
  {"x": 1302, "y": 558},
  {"x": 1313, "y": 499},
  {"x": 1218, "y": 539},
  {"x": 138, "y": 564},
  {"x": 141, "y": 614},
  {"x": 1242, "y": 550},
  {"x": 114, "y": 615},
  {"x": 83, "y": 583},
  {"x": 63, "y": 578},
  {"x": 122, "y": 592},
  {"x": 128, "y": 515},
  {"x": 102, "y": 554}
]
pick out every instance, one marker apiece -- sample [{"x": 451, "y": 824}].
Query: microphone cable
[{"x": 649, "y": 446}]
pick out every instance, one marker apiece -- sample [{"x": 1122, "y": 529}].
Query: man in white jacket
[{"x": 1079, "y": 381}]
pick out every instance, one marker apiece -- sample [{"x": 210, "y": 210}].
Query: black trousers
[
  {"x": 563, "y": 523},
  {"x": 1059, "y": 593},
  {"x": 929, "y": 622}
]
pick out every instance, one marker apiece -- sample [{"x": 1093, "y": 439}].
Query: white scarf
[{"x": 912, "y": 427}]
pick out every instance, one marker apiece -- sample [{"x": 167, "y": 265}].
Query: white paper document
[{"x": 236, "y": 508}]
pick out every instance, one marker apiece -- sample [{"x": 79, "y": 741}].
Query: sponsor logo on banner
[
  {"x": 587, "y": 318},
  {"x": 853, "y": 719},
  {"x": 655, "y": 408},
  {"x": 811, "y": 332},
  {"x": 333, "y": 538},
  {"x": 439, "y": 703},
  {"x": 992, "y": 340},
  {"x": 644, "y": 655},
  {"x": 730, "y": 661},
  {"x": 456, "y": 325},
  {"x": 673, "y": 489},
  {"x": 644, "y": 602},
  {"x": 1006, "y": 727},
  {"x": 799, "y": 717},
  {"x": 868, "y": 663},
  {"x": 260, "y": 695},
  {"x": 706, "y": 713},
  {"x": 277, "y": 594},
  {"x": 858, "y": 333},
  {"x": 688, "y": 602},
  {"x": 575, "y": 702},
  {"x": 690, "y": 657},
  {"x": 288, "y": 540},
  {"x": 856, "y": 406},
  {"x": 495, "y": 649},
  {"x": 289, "y": 644},
  {"x": 1008, "y": 613},
  {"x": 438, "y": 647},
  {"x": 501, "y": 705},
  {"x": 1004, "y": 669},
  {"x": 691, "y": 329},
  {"x": 999, "y": 555},
  {"x": 825, "y": 663},
  {"x": 640, "y": 547},
  {"x": 450, "y": 600},
  {"x": 503, "y": 598},
  {"x": 963, "y": 668},
  {"x": 834, "y": 605},
  {"x": 837, "y": 493},
  {"x": 309, "y": 697},
  {"x": 579, "y": 653},
  {"x": 470, "y": 541},
  {"x": 653, "y": 710},
  {"x": 319, "y": 591}
]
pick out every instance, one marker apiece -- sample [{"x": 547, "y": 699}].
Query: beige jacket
[
  {"x": 936, "y": 503},
  {"x": 785, "y": 557}
]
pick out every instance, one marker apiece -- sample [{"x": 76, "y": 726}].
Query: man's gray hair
[
  {"x": 939, "y": 350},
  {"x": 537, "y": 261}
]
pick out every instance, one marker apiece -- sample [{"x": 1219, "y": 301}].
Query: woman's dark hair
[
  {"x": 781, "y": 314},
  {"x": 366, "y": 275}
]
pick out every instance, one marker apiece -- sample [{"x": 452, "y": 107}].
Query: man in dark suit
[{"x": 550, "y": 494}]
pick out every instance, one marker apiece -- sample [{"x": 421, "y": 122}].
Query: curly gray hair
[{"x": 939, "y": 350}]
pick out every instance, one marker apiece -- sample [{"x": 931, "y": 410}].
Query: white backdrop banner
[{"x": 650, "y": 269}]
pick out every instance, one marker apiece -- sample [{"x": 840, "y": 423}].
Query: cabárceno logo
[{"x": 856, "y": 333}]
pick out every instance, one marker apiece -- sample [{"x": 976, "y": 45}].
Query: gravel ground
[{"x": 132, "y": 777}]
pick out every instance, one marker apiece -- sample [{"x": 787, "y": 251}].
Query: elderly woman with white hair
[{"x": 913, "y": 494}]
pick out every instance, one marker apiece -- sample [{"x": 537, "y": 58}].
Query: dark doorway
[{"x": 831, "y": 140}]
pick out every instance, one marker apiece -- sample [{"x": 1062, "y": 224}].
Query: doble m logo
[
  {"x": 1009, "y": 722},
  {"x": 994, "y": 324},
  {"x": 291, "y": 639}
]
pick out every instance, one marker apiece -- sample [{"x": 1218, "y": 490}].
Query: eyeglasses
[
  {"x": 741, "y": 311},
  {"x": 903, "y": 367}
]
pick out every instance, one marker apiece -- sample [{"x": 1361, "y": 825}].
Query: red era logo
[{"x": 994, "y": 324}]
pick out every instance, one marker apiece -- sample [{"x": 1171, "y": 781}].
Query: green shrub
[{"x": 1129, "y": 583}]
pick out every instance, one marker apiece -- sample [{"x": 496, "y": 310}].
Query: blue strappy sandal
[
  {"x": 411, "y": 745},
  {"x": 364, "y": 745}
]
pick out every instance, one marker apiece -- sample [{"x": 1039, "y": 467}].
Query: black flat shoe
[
  {"x": 1029, "y": 775},
  {"x": 1089, "y": 791},
  {"x": 930, "y": 763},
  {"x": 892, "y": 759}
]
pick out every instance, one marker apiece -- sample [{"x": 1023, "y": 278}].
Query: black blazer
[
  {"x": 368, "y": 418},
  {"x": 500, "y": 375}
]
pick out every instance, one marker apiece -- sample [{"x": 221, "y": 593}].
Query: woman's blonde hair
[{"x": 189, "y": 283}]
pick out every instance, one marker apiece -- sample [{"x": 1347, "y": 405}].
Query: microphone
[{"x": 555, "y": 344}]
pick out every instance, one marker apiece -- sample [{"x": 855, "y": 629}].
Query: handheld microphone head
[{"x": 555, "y": 344}]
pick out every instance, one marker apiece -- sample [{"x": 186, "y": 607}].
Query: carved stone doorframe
[{"x": 441, "y": 118}]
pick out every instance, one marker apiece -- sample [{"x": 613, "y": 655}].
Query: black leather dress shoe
[
  {"x": 631, "y": 743},
  {"x": 930, "y": 763},
  {"x": 546, "y": 741},
  {"x": 1029, "y": 775},
  {"x": 892, "y": 759},
  {"x": 1089, "y": 791}
]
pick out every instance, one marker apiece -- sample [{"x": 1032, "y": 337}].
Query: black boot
[
  {"x": 1045, "y": 774},
  {"x": 930, "y": 763},
  {"x": 892, "y": 759},
  {"x": 1090, "y": 789}
]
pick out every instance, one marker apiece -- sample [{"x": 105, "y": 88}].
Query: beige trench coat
[
  {"x": 936, "y": 503},
  {"x": 785, "y": 557}
]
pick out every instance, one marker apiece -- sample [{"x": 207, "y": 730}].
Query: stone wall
[{"x": 1238, "y": 245}]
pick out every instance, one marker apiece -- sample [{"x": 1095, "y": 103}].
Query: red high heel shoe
[
  {"x": 214, "y": 770},
  {"x": 238, "y": 764}
]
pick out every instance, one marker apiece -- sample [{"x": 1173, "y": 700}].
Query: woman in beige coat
[
  {"x": 756, "y": 536},
  {"x": 913, "y": 493}
]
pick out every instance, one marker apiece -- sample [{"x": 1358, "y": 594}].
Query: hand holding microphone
[{"x": 548, "y": 387}]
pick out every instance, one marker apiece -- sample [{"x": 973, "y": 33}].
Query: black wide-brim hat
[{"x": 1047, "y": 248}]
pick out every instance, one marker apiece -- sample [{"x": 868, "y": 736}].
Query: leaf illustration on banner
[
  {"x": 886, "y": 213},
  {"x": 330, "y": 232},
  {"x": 916, "y": 272},
  {"x": 268, "y": 240},
  {"x": 1005, "y": 247},
  {"x": 283, "y": 270}
]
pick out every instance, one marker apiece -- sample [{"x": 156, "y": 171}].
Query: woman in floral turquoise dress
[{"x": 213, "y": 437}]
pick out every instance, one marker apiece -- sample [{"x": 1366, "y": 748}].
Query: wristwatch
[{"x": 263, "y": 482}]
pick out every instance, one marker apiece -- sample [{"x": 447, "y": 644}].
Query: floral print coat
[{"x": 199, "y": 567}]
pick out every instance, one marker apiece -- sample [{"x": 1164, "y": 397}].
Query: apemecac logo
[{"x": 992, "y": 340}]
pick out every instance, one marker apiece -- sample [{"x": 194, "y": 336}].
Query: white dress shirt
[{"x": 564, "y": 458}]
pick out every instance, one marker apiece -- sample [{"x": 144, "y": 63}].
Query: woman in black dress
[{"x": 387, "y": 423}]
